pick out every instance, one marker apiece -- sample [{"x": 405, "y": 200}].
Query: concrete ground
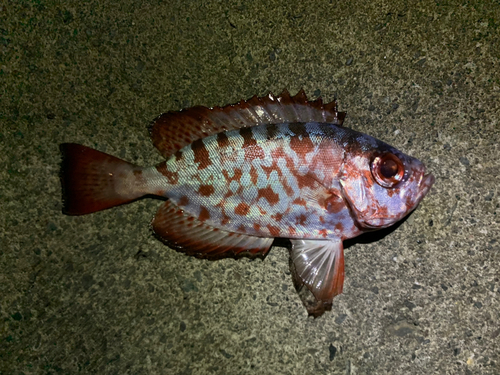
[{"x": 98, "y": 294}]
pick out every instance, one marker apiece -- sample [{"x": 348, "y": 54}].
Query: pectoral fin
[{"x": 319, "y": 265}]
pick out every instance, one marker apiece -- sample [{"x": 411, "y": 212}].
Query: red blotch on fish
[
  {"x": 201, "y": 155},
  {"x": 275, "y": 231},
  {"x": 183, "y": 201},
  {"x": 204, "y": 214},
  {"x": 242, "y": 209},
  {"x": 222, "y": 140},
  {"x": 278, "y": 216},
  {"x": 323, "y": 232},
  {"x": 252, "y": 150},
  {"x": 268, "y": 194},
  {"x": 254, "y": 175},
  {"x": 301, "y": 219},
  {"x": 236, "y": 175},
  {"x": 173, "y": 177},
  {"x": 206, "y": 190},
  {"x": 300, "y": 202},
  {"x": 301, "y": 143}
]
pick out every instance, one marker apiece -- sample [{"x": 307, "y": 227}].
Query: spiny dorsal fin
[
  {"x": 173, "y": 130},
  {"x": 183, "y": 232}
]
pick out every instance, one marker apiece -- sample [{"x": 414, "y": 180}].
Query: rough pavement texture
[{"x": 98, "y": 294}]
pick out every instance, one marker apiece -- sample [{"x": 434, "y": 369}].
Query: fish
[{"x": 238, "y": 178}]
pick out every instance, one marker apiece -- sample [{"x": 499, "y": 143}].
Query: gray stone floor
[{"x": 98, "y": 294}]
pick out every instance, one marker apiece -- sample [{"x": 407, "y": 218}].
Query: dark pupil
[{"x": 388, "y": 168}]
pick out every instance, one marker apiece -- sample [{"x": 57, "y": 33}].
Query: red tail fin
[{"x": 93, "y": 181}]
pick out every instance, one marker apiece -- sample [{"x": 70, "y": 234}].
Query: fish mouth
[{"x": 426, "y": 182}]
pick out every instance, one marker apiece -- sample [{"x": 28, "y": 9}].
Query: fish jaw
[{"x": 425, "y": 185}]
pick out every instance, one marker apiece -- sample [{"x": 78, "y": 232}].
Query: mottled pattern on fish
[
  {"x": 268, "y": 181},
  {"x": 239, "y": 176}
]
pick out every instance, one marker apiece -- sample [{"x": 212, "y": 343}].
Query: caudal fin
[{"x": 93, "y": 181}]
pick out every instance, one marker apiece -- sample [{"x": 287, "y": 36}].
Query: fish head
[{"x": 380, "y": 184}]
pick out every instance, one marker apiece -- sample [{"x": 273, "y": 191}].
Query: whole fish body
[{"x": 239, "y": 176}]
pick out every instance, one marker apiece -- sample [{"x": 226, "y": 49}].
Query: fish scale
[
  {"x": 267, "y": 204},
  {"x": 239, "y": 176}
]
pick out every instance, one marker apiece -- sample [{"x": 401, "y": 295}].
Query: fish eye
[{"x": 388, "y": 170}]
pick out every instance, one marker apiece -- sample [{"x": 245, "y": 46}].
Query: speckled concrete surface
[{"x": 98, "y": 294}]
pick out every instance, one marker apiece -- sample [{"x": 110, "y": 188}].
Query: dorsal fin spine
[{"x": 173, "y": 130}]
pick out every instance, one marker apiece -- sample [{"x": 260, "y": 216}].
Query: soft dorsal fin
[
  {"x": 173, "y": 130},
  {"x": 183, "y": 232}
]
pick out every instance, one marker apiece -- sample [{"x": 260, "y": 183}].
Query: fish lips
[{"x": 425, "y": 184}]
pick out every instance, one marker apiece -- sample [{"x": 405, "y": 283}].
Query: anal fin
[
  {"x": 319, "y": 265},
  {"x": 184, "y": 232}
]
